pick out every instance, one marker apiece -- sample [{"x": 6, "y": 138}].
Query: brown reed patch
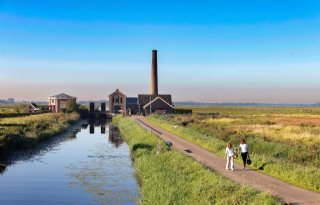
[{"x": 299, "y": 121}]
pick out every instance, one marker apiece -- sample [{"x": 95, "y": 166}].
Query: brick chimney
[{"x": 154, "y": 73}]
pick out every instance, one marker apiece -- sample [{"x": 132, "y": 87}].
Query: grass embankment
[
  {"x": 279, "y": 145},
  {"x": 173, "y": 178},
  {"x": 26, "y": 132}
]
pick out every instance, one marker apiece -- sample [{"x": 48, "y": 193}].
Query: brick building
[
  {"x": 117, "y": 102},
  {"x": 58, "y": 102}
]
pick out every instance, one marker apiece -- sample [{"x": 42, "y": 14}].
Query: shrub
[{"x": 182, "y": 111}]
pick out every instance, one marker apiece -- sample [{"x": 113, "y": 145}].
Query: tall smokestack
[{"x": 154, "y": 73}]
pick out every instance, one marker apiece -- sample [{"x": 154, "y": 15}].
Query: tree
[
  {"x": 19, "y": 108},
  {"x": 72, "y": 106}
]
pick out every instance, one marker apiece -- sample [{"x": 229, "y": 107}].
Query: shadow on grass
[
  {"x": 262, "y": 166},
  {"x": 141, "y": 146}
]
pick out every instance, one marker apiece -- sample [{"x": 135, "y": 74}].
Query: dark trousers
[{"x": 244, "y": 156}]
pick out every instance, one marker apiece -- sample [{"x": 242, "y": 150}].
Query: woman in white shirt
[
  {"x": 229, "y": 154},
  {"x": 244, "y": 152}
]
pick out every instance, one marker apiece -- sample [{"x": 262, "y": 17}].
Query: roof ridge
[
  {"x": 155, "y": 99},
  {"x": 62, "y": 95},
  {"x": 117, "y": 91}
]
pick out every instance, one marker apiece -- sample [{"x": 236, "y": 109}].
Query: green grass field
[
  {"x": 17, "y": 108},
  {"x": 283, "y": 142},
  {"x": 171, "y": 177}
]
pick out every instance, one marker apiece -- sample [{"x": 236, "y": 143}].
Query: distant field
[
  {"x": 8, "y": 110},
  {"x": 291, "y": 125},
  {"x": 284, "y": 142},
  {"x": 4, "y": 109},
  {"x": 254, "y": 110}
]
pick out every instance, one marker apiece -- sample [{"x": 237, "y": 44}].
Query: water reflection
[
  {"x": 103, "y": 129},
  {"x": 89, "y": 169},
  {"x": 114, "y": 136},
  {"x": 107, "y": 174},
  {"x": 96, "y": 123},
  {"x": 72, "y": 136},
  {"x": 105, "y": 177},
  {"x": 3, "y": 168},
  {"x": 114, "y": 133},
  {"x": 84, "y": 125},
  {"x": 91, "y": 128}
]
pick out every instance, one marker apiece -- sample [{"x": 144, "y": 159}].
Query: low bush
[{"x": 182, "y": 111}]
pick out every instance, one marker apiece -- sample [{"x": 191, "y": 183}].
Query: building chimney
[{"x": 154, "y": 73}]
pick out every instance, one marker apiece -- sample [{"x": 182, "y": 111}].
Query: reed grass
[{"x": 26, "y": 132}]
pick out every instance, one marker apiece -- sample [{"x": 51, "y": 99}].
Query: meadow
[
  {"x": 4, "y": 110},
  {"x": 26, "y": 132},
  {"x": 170, "y": 177},
  {"x": 283, "y": 142},
  {"x": 18, "y": 108}
]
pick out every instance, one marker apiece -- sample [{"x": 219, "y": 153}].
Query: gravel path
[{"x": 289, "y": 194}]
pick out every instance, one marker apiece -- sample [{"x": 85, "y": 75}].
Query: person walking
[
  {"x": 229, "y": 154},
  {"x": 244, "y": 152}
]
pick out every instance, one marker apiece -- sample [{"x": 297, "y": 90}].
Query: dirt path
[{"x": 287, "y": 193}]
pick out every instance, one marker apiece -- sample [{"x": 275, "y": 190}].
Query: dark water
[{"x": 79, "y": 169}]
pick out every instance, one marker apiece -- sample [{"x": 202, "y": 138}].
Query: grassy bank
[
  {"x": 283, "y": 143},
  {"x": 173, "y": 178},
  {"x": 26, "y": 132}
]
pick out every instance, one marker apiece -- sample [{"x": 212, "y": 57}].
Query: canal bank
[
  {"x": 27, "y": 132},
  {"x": 91, "y": 167}
]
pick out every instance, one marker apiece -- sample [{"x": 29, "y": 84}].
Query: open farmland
[{"x": 283, "y": 142}]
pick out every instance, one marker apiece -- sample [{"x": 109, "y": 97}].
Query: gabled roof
[
  {"x": 144, "y": 99},
  {"x": 154, "y": 100},
  {"x": 33, "y": 105},
  {"x": 116, "y": 92},
  {"x": 62, "y": 96}
]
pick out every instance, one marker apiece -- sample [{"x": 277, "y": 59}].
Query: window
[{"x": 120, "y": 100}]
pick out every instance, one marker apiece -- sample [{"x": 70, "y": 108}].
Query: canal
[{"x": 92, "y": 166}]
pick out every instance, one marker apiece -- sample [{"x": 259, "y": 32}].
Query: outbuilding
[{"x": 33, "y": 108}]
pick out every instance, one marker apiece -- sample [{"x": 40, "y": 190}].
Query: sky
[{"x": 265, "y": 51}]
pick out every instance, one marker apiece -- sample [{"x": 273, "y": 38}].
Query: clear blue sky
[{"x": 213, "y": 51}]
